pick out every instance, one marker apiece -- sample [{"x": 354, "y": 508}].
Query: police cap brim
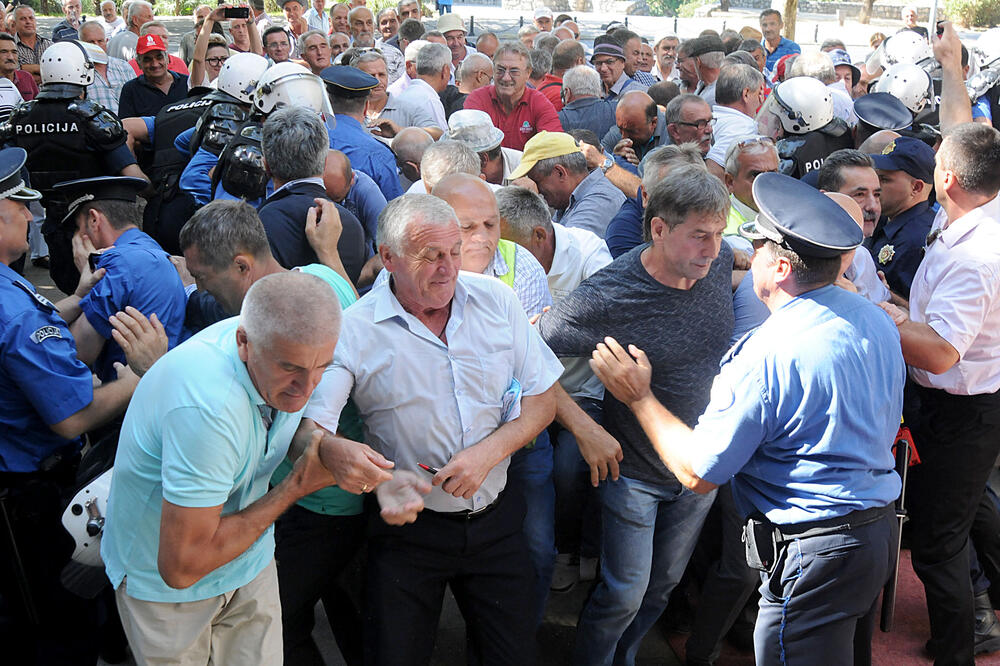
[
  {"x": 802, "y": 218},
  {"x": 104, "y": 188},
  {"x": 11, "y": 183}
]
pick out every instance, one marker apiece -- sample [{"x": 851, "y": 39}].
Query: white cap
[{"x": 543, "y": 12}]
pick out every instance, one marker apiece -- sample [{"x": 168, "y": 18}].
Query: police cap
[
  {"x": 11, "y": 183},
  {"x": 907, "y": 154},
  {"x": 348, "y": 82},
  {"x": 802, "y": 218},
  {"x": 103, "y": 188},
  {"x": 883, "y": 111}
]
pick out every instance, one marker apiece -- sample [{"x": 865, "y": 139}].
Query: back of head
[
  {"x": 294, "y": 142},
  {"x": 663, "y": 92},
  {"x": 222, "y": 229},
  {"x": 474, "y": 62},
  {"x": 583, "y": 81},
  {"x": 739, "y": 58},
  {"x": 541, "y": 63},
  {"x": 690, "y": 189},
  {"x": 395, "y": 219},
  {"x": 411, "y": 29},
  {"x": 750, "y": 45},
  {"x": 832, "y": 44},
  {"x": 660, "y": 162},
  {"x": 587, "y": 136},
  {"x": 566, "y": 54},
  {"x": 432, "y": 58},
  {"x": 972, "y": 152},
  {"x": 150, "y": 25},
  {"x": 816, "y": 65},
  {"x": 545, "y": 41},
  {"x": 444, "y": 158},
  {"x": 730, "y": 41},
  {"x": 292, "y": 306},
  {"x": 521, "y": 210},
  {"x": 413, "y": 48},
  {"x": 831, "y": 177},
  {"x": 409, "y": 145},
  {"x": 733, "y": 80}
]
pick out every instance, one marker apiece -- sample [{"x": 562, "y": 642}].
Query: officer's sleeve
[
  {"x": 116, "y": 159},
  {"x": 733, "y": 426},
  {"x": 39, "y": 355},
  {"x": 108, "y": 296},
  {"x": 388, "y": 180},
  {"x": 202, "y": 454}
]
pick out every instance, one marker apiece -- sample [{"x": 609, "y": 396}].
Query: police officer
[
  {"x": 66, "y": 137},
  {"x": 137, "y": 272},
  {"x": 231, "y": 108},
  {"x": 240, "y": 170},
  {"x": 906, "y": 172},
  {"x": 47, "y": 401},
  {"x": 799, "y": 112},
  {"x": 349, "y": 89},
  {"x": 808, "y": 454},
  {"x": 984, "y": 87}
]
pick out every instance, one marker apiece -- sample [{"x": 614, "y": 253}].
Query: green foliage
[
  {"x": 687, "y": 9},
  {"x": 974, "y": 13},
  {"x": 663, "y": 7}
]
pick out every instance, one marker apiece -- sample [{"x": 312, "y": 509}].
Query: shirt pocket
[{"x": 495, "y": 369}]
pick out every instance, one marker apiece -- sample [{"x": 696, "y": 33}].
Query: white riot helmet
[
  {"x": 908, "y": 83},
  {"x": 84, "y": 517},
  {"x": 986, "y": 52},
  {"x": 797, "y": 105},
  {"x": 290, "y": 84},
  {"x": 67, "y": 62},
  {"x": 240, "y": 74},
  {"x": 906, "y": 46}
]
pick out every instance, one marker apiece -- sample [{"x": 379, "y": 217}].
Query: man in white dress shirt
[
  {"x": 739, "y": 92},
  {"x": 430, "y": 359},
  {"x": 432, "y": 73},
  {"x": 950, "y": 337}
]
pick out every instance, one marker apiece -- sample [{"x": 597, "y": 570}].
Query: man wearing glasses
[
  {"x": 520, "y": 112},
  {"x": 609, "y": 61},
  {"x": 689, "y": 120}
]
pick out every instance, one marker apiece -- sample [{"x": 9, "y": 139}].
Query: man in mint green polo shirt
[{"x": 188, "y": 544}]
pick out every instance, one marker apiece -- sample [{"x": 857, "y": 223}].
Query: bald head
[
  {"x": 877, "y": 142},
  {"x": 337, "y": 175},
  {"x": 636, "y": 117},
  {"x": 478, "y": 217},
  {"x": 848, "y": 204},
  {"x": 409, "y": 146}
]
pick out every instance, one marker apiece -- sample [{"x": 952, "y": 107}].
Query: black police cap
[
  {"x": 346, "y": 81},
  {"x": 802, "y": 218},
  {"x": 883, "y": 111},
  {"x": 103, "y": 188},
  {"x": 11, "y": 183}
]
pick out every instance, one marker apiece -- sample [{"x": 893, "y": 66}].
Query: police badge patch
[
  {"x": 886, "y": 254},
  {"x": 46, "y": 332}
]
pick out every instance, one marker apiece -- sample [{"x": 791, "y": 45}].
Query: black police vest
[
  {"x": 54, "y": 133},
  {"x": 171, "y": 121},
  {"x": 241, "y": 165},
  {"x": 802, "y": 153},
  {"x": 219, "y": 123},
  {"x": 993, "y": 97}
]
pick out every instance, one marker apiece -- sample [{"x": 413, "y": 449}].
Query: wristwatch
[{"x": 607, "y": 164}]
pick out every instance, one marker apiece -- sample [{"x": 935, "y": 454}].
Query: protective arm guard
[{"x": 103, "y": 129}]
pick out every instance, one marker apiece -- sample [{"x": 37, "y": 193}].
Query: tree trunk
[
  {"x": 789, "y": 15},
  {"x": 724, "y": 5},
  {"x": 865, "y": 15},
  {"x": 44, "y": 7}
]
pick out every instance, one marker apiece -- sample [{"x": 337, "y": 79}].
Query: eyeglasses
[
  {"x": 501, "y": 72},
  {"x": 700, "y": 125},
  {"x": 216, "y": 61},
  {"x": 604, "y": 63}
]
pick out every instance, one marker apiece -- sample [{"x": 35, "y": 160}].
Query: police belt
[
  {"x": 58, "y": 467},
  {"x": 838, "y": 524}
]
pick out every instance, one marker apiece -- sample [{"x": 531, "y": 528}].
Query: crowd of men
[{"x": 499, "y": 316}]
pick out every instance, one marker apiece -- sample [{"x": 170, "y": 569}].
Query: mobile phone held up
[{"x": 236, "y": 12}]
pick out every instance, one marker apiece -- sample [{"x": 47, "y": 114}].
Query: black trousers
[
  {"x": 311, "y": 551},
  {"x": 958, "y": 440},
  {"x": 68, "y": 628},
  {"x": 727, "y": 587},
  {"x": 483, "y": 559}
]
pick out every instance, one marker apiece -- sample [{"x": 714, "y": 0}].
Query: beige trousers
[{"x": 241, "y": 627}]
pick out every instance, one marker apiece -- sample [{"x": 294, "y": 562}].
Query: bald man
[
  {"x": 358, "y": 193},
  {"x": 640, "y": 126},
  {"x": 408, "y": 146},
  {"x": 483, "y": 251}
]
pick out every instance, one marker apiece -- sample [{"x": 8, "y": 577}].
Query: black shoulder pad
[
  {"x": 84, "y": 108},
  {"x": 104, "y": 130}
]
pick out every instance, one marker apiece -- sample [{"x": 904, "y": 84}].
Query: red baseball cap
[{"x": 149, "y": 43}]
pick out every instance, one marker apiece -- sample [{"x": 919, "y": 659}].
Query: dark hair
[
  {"x": 663, "y": 92},
  {"x": 830, "y": 178},
  {"x": 972, "y": 152},
  {"x": 7, "y": 37},
  {"x": 221, "y": 229},
  {"x": 411, "y": 29},
  {"x": 730, "y": 41},
  {"x": 120, "y": 214},
  {"x": 272, "y": 30},
  {"x": 561, "y": 18},
  {"x": 623, "y": 35},
  {"x": 586, "y": 136},
  {"x": 769, "y": 12},
  {"x": 807, "y": 271},
  {"x": 750, "y": 45},
  {"x": 733, "y": 80},
  {"x": 689, "y": 189}
]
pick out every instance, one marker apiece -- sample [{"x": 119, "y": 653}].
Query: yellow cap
[{"x": 543, "y": 146}]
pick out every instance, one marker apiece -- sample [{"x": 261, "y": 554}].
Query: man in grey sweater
[{"x": 673, "y": 297}]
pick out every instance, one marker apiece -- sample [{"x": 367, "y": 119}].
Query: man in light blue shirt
[
  {"x": 188, "y": 544},
  {"x": 801, "y": 419}
]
